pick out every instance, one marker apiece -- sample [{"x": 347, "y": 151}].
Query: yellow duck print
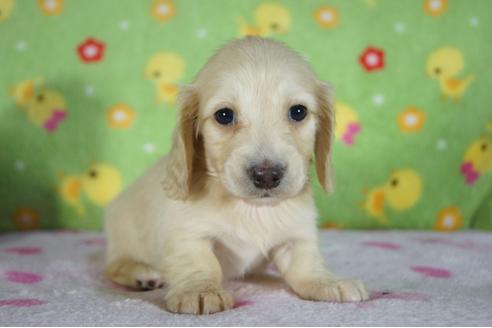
[
  {"x": 401, "y": 192},
  {"x": 6, "y": 7},
  {"x": 45, "y": 108},
  {"x": 347, "y": 124},
  {"x": 24, "y": 91},
  {"x": 374, "y": 204},
  {"x": 270, "y": 18},
  {"x": 477, "y": 160},
  {"x": 445, "y": 64},
  {"x": 69, "y": 188},
  {"x": 165, "y": 69},
  {"x": 100, "y": 183}
]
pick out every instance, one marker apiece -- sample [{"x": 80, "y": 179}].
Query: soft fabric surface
[
  {"x": 417, "y": 279},
  {"x": 88, "y": 92}
]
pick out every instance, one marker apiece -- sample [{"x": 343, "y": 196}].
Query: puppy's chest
[
  {"x": 248, "y": 238},
  {"x": 237, "y": 257}
]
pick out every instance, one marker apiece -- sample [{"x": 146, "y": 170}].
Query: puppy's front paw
[
  {"x": 332, "y": 290},
  {"x": 206, "y": 301}
]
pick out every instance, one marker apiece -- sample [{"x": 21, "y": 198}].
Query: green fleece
[{"x": 89, "y": 88}]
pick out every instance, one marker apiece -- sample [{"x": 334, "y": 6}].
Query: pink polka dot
[
  {"x": 445, "y": 241},
  {"x": 94, "y": 241},
  {"x": 21, "y": 302},
  {"x": 24, "y": 250},
  {"x": 23, "y": 277},
  {"x": 465, "y": 244},
  {"x": 67, "y": 232},
  {"x": 240, "y": 303},
  {"x": 432, "y": 272},
  {"x": 382, "y": 244},
  {"x": 405, "y": 296}
]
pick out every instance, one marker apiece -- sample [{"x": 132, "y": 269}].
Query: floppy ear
[
  {"x": 183, "y": 161},
  {"x": 324, "y": 137}
]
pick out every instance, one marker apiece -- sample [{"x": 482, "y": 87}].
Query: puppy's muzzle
[{"x": 266, "y": 175}]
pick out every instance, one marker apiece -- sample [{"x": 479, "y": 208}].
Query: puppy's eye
[
  {"x": 224, "y": 116},
  {"x": 297, "y": 113}
]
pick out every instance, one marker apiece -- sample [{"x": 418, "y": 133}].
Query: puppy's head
[{"x": 252, "y": 120}]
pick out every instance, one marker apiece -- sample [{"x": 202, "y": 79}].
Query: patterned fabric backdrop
[{"x": 89, "y": 90}]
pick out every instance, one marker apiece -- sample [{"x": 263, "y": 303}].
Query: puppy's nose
[{"x": 266, "y": 175}]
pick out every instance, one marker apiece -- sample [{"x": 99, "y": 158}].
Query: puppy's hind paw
[
  {"x": 134, "y": 274},
  {"x": 207, "y": 301},
  {"x": 146, "y": 278},
  {"x": 148, "y": 284},
  {"x": 330, "y": 290}
]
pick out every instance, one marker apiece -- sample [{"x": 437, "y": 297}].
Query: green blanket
[{"x": 89, "y": 90}]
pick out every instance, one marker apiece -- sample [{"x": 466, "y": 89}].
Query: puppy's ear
[
  {"x": 186, "y": 152},
  {"x": 324, "y": 136}
]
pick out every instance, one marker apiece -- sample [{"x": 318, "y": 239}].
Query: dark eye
[
  {"x": 40, "y": 97},
  {"x": 297, "y": 112},
  {"x": 224, "y": 116},
  {"x": 437, "y": 71},
  {"x": 157, "y": 74}
]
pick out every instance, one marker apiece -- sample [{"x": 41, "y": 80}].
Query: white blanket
[{"x": 415, "y": 278}]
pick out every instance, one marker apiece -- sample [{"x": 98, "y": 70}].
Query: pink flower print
[
  {"x": 352, "y": 130},
  {"x": 27, "y": 250},
  {"x": 56, "y": 118},
  {"x": 469, "y": 172},
  {"x": 23, "y": 277},
  {"x": 432, "y": 272},
  {"x": 21, "y": 302},
  {"x": 382, "y": 244}
]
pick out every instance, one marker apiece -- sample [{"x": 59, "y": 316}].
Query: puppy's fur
[{"x": 196, "y": 218}]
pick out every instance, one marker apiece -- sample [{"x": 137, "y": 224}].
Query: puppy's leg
[
  {"x": 194, "y": 278},
  {"x": 130, "y": 273},
  {"x": 302, "y": 267}
]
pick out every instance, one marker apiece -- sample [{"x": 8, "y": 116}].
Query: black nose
[{"x": 266, "y": 175}]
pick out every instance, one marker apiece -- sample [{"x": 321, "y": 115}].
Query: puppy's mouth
[
  {"x": 263, "y": 199},
  {"x": 263, "y": 195},
  {"x": 266, "y": 197}
]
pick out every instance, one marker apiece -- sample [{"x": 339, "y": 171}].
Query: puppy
[{"x": 233, "y": 194}]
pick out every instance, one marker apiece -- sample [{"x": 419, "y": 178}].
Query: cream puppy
[{"x": 233, "y": 194}]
